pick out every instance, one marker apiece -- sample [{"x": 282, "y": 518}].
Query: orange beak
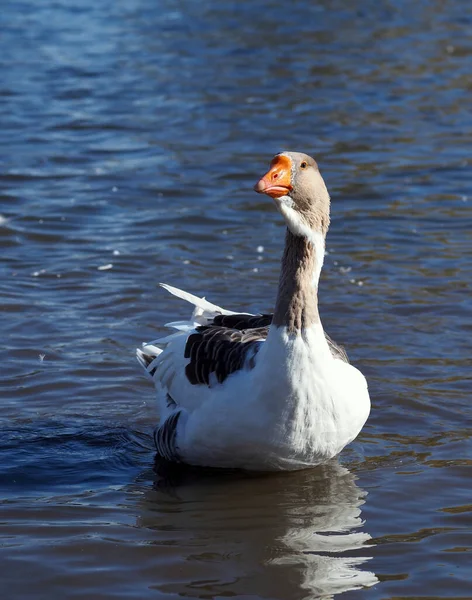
[{"x": 277, "y": 181}]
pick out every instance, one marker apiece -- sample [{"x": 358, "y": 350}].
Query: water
[{"x": 131, "y": 137}]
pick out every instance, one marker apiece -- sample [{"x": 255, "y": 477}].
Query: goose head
[{"x": 299, "y": 192}]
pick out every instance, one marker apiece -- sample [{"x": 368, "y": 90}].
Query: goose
[{"x": 264, "y": 392}]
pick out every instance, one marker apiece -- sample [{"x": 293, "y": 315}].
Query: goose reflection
[
  {"x": 290, "y": 535},
  {"x": 322, "y": 534}
]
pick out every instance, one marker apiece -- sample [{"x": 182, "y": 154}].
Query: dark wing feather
[
  {"x": 241, "y": 322},
  {"x": 336, "y": 350},
  {"x": 226, "y": 345},
  {"x": 165, "y": 436}
]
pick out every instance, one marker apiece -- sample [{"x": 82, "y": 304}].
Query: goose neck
[{"x": 297, "y": 300}]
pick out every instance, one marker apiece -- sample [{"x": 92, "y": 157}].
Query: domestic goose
[{"x": 268, "y": 391}]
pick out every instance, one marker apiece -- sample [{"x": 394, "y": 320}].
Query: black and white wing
[{"x": 210, "y": 347}]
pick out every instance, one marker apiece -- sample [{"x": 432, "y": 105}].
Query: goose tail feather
[{"x": 204, "y": 312}]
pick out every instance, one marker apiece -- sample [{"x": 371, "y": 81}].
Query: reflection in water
[
  {"x": 328, "y": 531},
  {"x": 277, "y": 535}
]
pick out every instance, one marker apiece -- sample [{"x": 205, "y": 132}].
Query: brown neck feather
[{"x": 297, "y": 300}]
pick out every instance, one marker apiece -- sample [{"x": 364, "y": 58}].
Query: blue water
[{"x": 131, "y": 136}]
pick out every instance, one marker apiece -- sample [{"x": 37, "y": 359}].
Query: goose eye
[{"x": 303, "y": 165}]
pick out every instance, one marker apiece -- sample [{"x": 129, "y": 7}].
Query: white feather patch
[
  {"x": 200, "y": 303},
  {"x": 182, "y": 325}
]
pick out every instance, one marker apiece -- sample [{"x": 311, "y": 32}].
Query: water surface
[{"x": 131, "y": 136}]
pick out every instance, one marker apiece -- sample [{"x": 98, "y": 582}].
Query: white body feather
[{"x": 297, "y": 407}]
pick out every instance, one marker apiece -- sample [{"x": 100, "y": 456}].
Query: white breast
[{"x": 298, "y": 407}]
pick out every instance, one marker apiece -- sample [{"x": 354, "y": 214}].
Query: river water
[{"x": 132, "y": 134}]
